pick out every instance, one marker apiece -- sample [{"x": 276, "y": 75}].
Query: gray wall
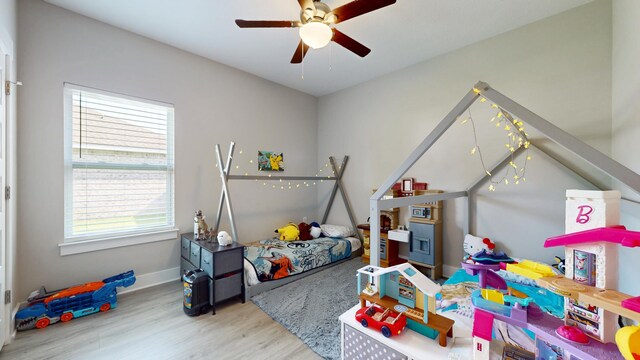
[
  {"x": 626, "y": 121},
  {"x": 213, "y": 104},
  {"x": 559, "y": 67}
]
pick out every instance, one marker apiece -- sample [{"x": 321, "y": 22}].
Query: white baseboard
[
  {"x": 152, "y": 279},
  {"x": 142, "y": 282}
]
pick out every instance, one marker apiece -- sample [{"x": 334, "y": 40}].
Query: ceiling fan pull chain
[
  {"x": 302, "y": 63},
  {"x": 330, "y": 56}
]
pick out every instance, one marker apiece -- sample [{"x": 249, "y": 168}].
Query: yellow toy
[
  {"x": 628, "y": 340},
  {"x": 275, "y": 160},
  {"x": 289, "y": 232}
]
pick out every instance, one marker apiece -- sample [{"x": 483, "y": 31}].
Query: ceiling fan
[{"x": 315, "y": 23}]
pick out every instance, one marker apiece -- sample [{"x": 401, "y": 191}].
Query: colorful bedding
[{"x": 274, "y": 259}]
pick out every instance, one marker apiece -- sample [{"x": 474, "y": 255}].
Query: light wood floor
[{"x": 150, "y": 324}]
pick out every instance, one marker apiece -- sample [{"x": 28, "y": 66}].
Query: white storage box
[{"x": 399, "y": 235}]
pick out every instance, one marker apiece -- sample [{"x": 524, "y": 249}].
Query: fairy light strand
[
  {"x": 516, "y": 138},
  {"x": 277, "y": 183}
]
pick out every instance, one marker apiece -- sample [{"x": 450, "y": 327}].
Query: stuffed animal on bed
[
  {"x": 315, "y": 230},
  {"x": 474, "y": 244},
  {"x": 305, "y": 231},
  {"x": 289, "y": 232}
]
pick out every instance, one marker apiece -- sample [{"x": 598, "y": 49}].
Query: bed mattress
[{"x": 272, "y": 259}]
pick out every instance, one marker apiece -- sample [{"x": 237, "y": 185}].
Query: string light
[
  {"x": 516, "y": 138},
  {"x": 278, "y": 182}
]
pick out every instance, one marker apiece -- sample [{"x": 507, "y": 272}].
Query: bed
[{"x": 272, "y": 263}]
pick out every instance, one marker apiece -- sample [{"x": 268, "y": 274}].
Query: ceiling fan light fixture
[{"x": 316, "y": 34}]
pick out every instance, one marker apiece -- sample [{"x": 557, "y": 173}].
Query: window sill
[{"x": 79, "y": 247}]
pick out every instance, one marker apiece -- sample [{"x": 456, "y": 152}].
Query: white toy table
[{"x": 363, "y": 343}]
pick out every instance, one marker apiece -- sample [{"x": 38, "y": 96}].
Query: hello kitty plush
[{"x": 474, "y": 244}]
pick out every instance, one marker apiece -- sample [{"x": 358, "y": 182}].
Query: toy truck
[{"x": 46, "y": 308}]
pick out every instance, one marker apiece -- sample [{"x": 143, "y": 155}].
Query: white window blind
[{"x": 118, "y": 165}]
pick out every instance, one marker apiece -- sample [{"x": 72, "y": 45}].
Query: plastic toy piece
[
  {"x": 493, "y": 295},
  {"x": 485, "y": 277},
  {"x": 572, "y": 333},
  {"x": 628, "y": 341},
  {"x": 384, "y": 320},
  {"x": 632, "y": 304},
  {"x": 45, "y": 308},
  {"x": 531, "y": 269},
  {"x": 614, "y": 234},
  {"x": 485, "y": 257}
]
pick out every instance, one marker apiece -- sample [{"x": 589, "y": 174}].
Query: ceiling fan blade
[
  {"x": 359, "y": 7},
  {"x": 306, "y": 4},
  {"x": 350, "y": 44},
  {"x": 301, "y": 51},
  {"x": 267, "y": 23}
]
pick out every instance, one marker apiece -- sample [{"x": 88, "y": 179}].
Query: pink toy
[
  {"x": 572, "y": 333},
  {"x": 614, "y": 234},
  {"x": 632, "y": 304}
]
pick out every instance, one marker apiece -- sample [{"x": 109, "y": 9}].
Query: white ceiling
[{"x": 403, "y": 34}]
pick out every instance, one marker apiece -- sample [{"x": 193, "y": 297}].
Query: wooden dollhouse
[{"x": 405, "y": 289}]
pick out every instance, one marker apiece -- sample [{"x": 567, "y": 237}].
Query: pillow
[{"x": 337, "y": 231}]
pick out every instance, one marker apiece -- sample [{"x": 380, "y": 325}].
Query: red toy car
[{"x": 382, "y": 319}]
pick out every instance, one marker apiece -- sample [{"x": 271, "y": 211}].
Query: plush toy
[
  {"x": 474, "y": 244},
  {"x": 224, "y": 239},
  {"x": 315, "y": 230},
  {"x": 289, "y": 232},
  {"x": 305, "y": 231}
]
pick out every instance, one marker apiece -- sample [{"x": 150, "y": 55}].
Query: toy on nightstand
[
  {"x": 406, "y": 290},
  {"x": 224, "y": 239},
  {"x": 202, "y": 231},
  {"x": 46, "y": 308}
]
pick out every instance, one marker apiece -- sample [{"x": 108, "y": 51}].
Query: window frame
[{"x": 73, "y": 244}]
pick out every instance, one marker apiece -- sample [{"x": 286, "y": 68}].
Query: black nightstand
[{"x": 223, "y": 264}]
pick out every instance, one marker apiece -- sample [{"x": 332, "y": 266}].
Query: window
[{"x": 118, "y": 165}]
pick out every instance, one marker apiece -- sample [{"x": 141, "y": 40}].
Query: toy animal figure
[
  {"x": 289, "y": 232},
  {"x": 559, "y": 264},
  {"x": 275, "y": 160},
  {"x": 224, "y": 239},
  {"x": 203, "y": 229},
  {"x": 474, "y": 244},
  {"x": 315, "y": 230},
  {"x": 305, "y": 231}
]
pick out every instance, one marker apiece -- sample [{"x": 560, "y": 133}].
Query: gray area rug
[{"x": 310, "y": 307}]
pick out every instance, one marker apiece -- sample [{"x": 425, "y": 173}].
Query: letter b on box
[{"x": 587, "y": 209}]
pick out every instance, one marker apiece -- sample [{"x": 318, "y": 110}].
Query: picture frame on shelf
[{"x": 407, "y": 185}]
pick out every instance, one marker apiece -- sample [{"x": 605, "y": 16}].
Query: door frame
[{"x": 10, "y": 151}]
